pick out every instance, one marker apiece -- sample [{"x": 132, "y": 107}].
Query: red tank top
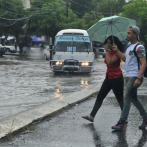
[{"x": 113, "y": 70}]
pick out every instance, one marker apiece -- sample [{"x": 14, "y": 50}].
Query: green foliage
[
  {"x": 110, "y": 7},
  {"x": 78, "y": 24},
  {"x": 12, "y": 17},
  {"x": 51, "y": 18},
  {"x": 137, "y": 10},
  {"x": 90, "y": 18},
  {"x": 48, "y": 20},
  {"x": 80, "y": 7},
  {"x": 74, "y": 22}
]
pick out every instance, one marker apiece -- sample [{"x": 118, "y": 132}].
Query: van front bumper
[{"x": 68, "y": 68}]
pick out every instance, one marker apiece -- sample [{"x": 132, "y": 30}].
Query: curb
[
  {"x": 17, "y": 54},
  {"x": 14, "y": 123}
]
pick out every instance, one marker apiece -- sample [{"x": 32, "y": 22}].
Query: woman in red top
[{"x": 114, "y": 77}]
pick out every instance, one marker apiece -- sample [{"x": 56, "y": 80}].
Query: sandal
[{"x": 88, "y": 117}]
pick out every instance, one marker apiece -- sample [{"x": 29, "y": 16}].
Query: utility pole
[
  {"x": 95, "y": 9},
  {"x": 67, "y": 8}
]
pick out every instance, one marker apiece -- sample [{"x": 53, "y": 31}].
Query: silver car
[
  {"x": 46, "y": 53},
  {"x": 101, "y": 51}
]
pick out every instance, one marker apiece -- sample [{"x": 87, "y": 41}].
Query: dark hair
[{"x": 115, "y": 40}]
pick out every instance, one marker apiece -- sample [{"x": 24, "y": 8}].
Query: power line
[
  {"x": 10, "y": 3},
  {"x": 4, "y": 14},
  {"x": 24, "y": 18},
  {"x": 79, "y": 4}
]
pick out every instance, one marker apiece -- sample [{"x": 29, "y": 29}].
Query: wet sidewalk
[
  {"x": 68, "y": 129},
  {"x": 35, "y": 114}
]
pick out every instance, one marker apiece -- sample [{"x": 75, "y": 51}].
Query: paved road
[{"x": 68, "y": 129}]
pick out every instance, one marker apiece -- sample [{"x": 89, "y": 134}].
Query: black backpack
[{"x": 134, "y": 50}]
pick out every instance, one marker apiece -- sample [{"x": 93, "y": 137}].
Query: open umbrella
[{"x": 114, "y": 25}]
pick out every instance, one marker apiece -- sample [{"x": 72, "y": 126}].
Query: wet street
[{"x": 27, "y": 82}]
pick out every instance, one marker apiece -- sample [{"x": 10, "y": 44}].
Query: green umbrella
[{"x": 114, "y": 25}]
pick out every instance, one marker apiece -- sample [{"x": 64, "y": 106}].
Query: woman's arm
[
  {"x": 120, "y": 54},
  {"x": 109, "y": 59}
]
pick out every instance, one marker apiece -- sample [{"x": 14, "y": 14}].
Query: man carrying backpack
[{"x": 134, "y": 69}]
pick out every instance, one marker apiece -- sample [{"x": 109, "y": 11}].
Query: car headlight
[
  {"x": 84, "y": 63},
  {"x": 59, "y": 63}
]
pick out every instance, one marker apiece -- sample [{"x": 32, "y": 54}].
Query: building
[{"x": 26, "y": 3}]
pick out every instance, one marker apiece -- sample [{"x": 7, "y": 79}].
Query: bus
[{"x": 72, "y": 52}]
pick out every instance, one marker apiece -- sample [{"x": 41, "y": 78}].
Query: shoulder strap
[
  {"x": 134, "y": 50},
  {"x": 128, "y": 45}
]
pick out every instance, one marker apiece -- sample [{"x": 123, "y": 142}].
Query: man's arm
[
  {"x": 143, "y": 66},
  {"x": 142, "y": 58}
]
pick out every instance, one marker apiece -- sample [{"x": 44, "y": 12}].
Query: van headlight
[
  {"x": 85, "y": 64},
  {"x": 59, "y": 63}
]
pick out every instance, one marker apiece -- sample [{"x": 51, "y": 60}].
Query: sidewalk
[{"x": 15, "y": 122}]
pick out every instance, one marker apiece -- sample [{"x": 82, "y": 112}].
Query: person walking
[
  {"x": 133, "y": 77},
  {"x": 114, "y": 77}
]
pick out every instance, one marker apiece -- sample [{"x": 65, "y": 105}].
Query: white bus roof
[{"x": 72, "y": 31}]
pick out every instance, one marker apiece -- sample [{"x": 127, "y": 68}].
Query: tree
[
  {"x": 137, "y": 10},
  {"x": 51, "y": 18},
  {"x": 90, "y": 18},
  {"x": 110, "y": 7},
  {"x": 81, "y": 7},
  {"x": 12, "y": 17},
  {"x": 48, "y": 19}
]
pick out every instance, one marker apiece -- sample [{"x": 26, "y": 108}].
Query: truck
[{"x": 72, "y": 52}]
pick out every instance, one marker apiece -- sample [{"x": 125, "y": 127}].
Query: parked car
[
  {"x": 38, "y": 48},
  {"x": 98, "y": 49},
  {"x": 101, "y": 51},
  {"x": 46, "y": 53},
  {"x": 10, "y": 48},
  {"x": 2, "y": 50}
]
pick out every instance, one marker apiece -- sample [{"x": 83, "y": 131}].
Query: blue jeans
[{"x": 130, "y": 95}]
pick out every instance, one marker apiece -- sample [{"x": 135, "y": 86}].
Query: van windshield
[{"x": 73, "y": 44}]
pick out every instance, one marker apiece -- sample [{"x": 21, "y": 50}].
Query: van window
[{"x": 72, "y": 44}]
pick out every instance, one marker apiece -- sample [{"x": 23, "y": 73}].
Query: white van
[{"x": 72, "y": 52}]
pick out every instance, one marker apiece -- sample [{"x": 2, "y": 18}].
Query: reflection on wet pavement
[
  {"x": 95, "y": 135},
  {"x": 142, "y": 141},
  {"x": 121, "y": 138}
]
